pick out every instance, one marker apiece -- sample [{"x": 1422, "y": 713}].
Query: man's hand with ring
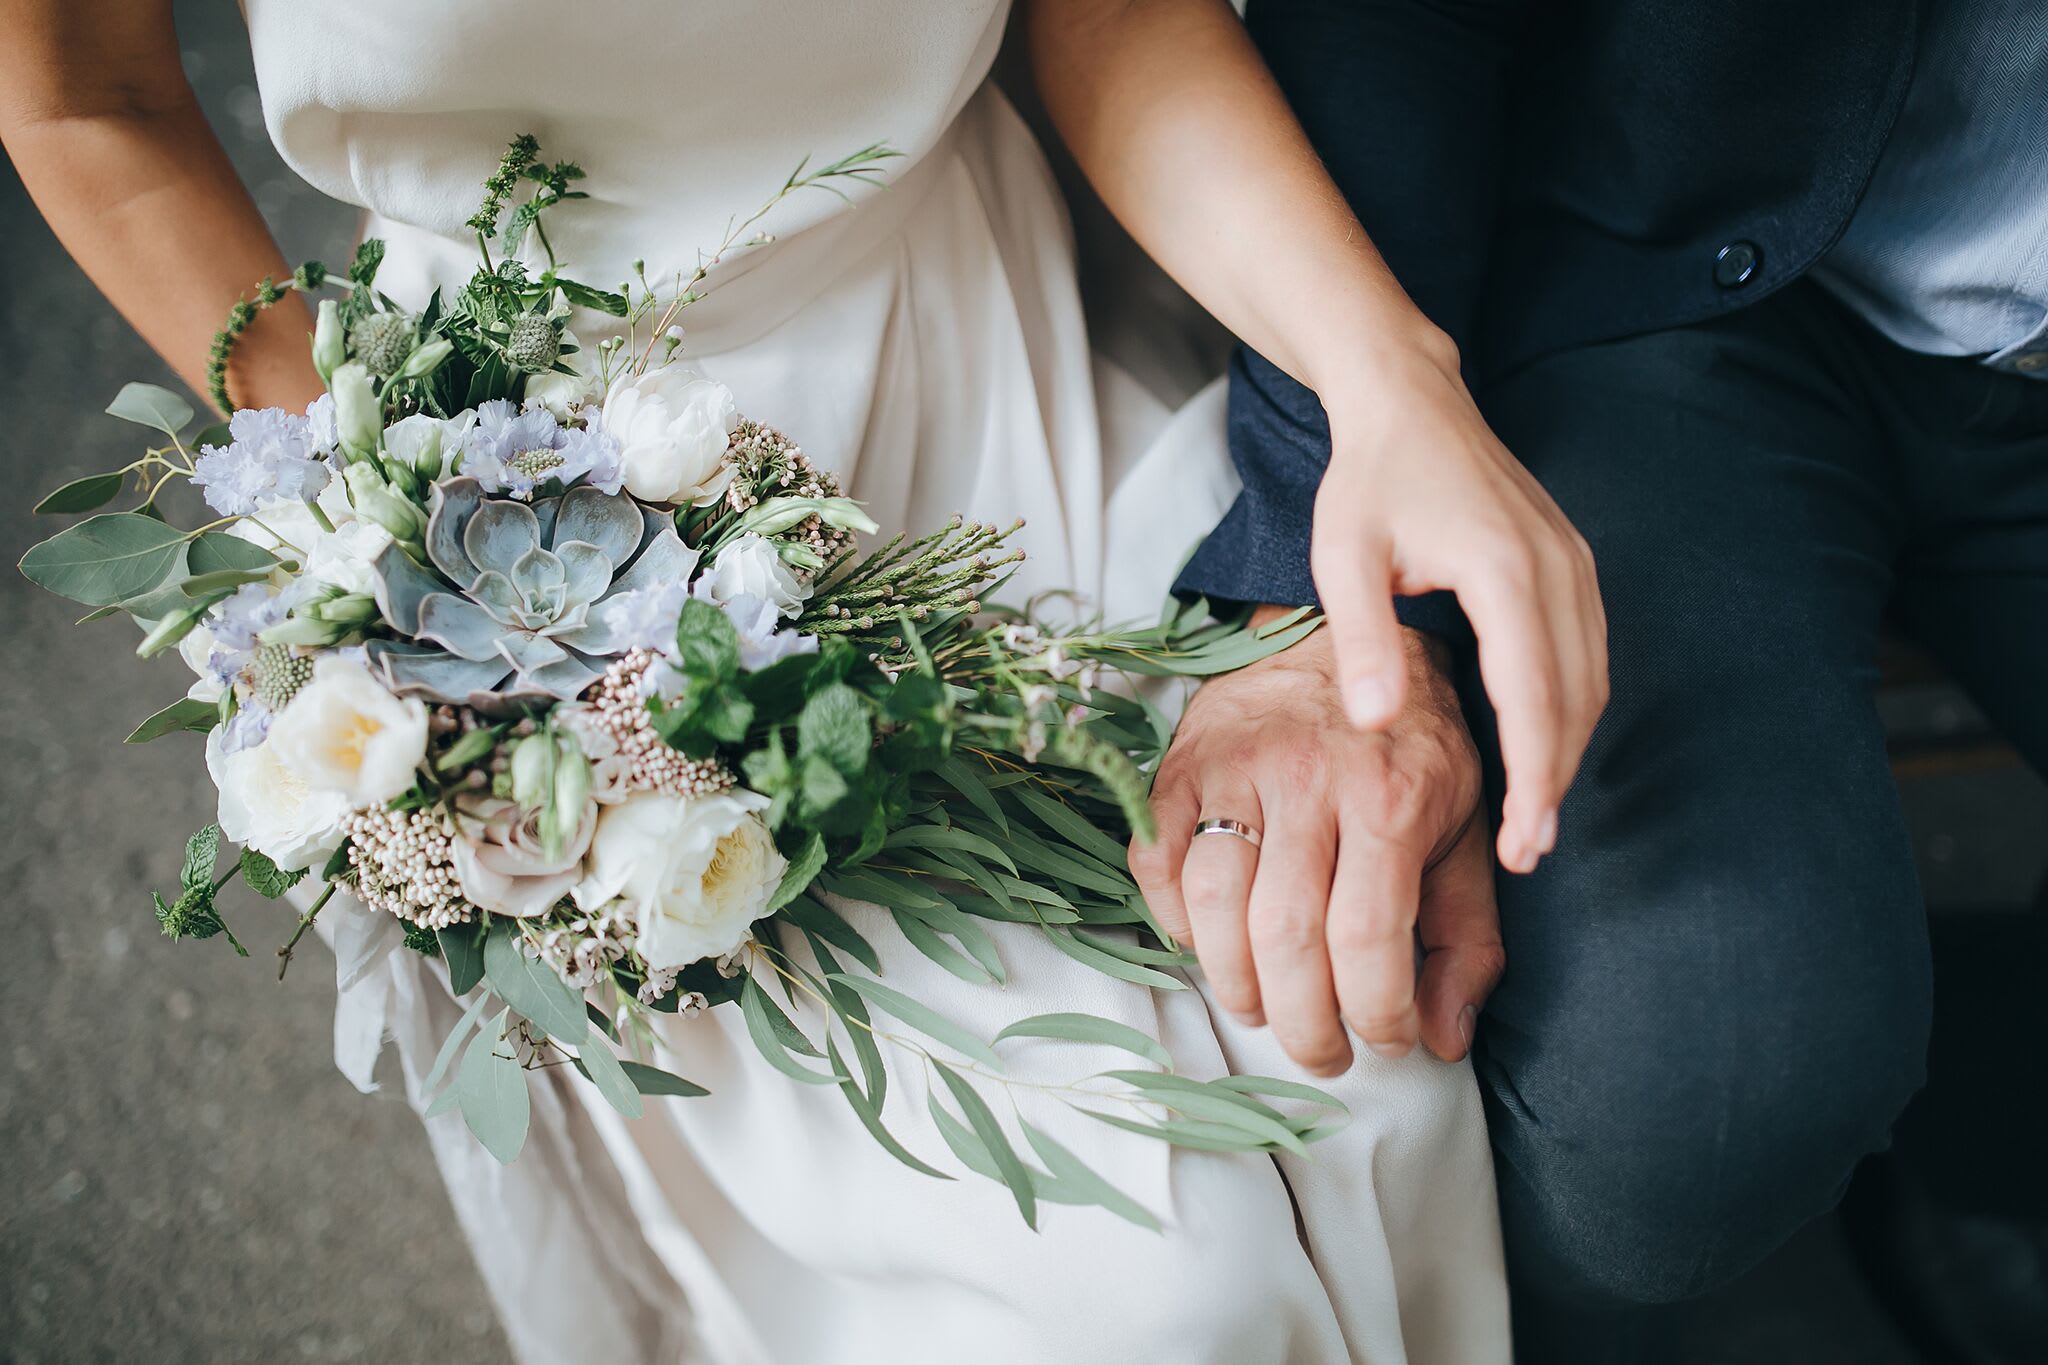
[{"x": 1323, "y": 849}]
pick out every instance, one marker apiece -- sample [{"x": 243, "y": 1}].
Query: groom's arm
[{"x": 1403, "y": 101}]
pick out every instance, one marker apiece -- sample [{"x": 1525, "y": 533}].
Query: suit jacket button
[{"x": 1736, "y": 264}]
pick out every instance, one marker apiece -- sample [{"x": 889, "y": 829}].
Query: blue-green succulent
[{"x": 508, "y": 609}]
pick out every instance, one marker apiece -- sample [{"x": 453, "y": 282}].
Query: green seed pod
[
  {"x": 534, "y": 344},
  {"x": 382, "y": 341}
]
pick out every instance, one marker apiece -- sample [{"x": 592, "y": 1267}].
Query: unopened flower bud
[
  {"x": 426, "y": 359},
  {"x": 330, "y": 346},
  {"x": 374, "y": 499},
  {"x": 172, "y": 629},
  {"x": 358, "y": 415}
]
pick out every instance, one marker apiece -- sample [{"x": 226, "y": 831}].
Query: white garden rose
[
  {"x": 696, "y": 871},
  {"x": 344, "y": 732},
  {"x": 264, "y": 805},
  {"x": 748, "y": 566},
  {"x": 672, "y": 426}
]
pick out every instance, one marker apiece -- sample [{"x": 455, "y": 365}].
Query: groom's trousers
[{"x": 1718, "y": 991}]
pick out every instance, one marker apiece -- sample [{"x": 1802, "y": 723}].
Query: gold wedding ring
[{"x": 1236, "y": 829}]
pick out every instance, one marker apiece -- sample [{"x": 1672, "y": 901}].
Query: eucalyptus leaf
[
  {"x": 491, "y": 1088},
  {"x": 1063, "y": 821},
  {"x": 105, "y": 560},
  {"x": 926, "y": 940},
  {"x": 949, "y": 837},
  {"x": 923, "y": 1018},
  {"x": 760, "y": 1014},
  {"x": 818, "y": 918},
  {"x": 652, "y": 1080},
  {"x": 1076, "y": 1174},
  {"x": 966, "y": 776},
  {"x": 1092, "y": 956},
  {"x": 446, "y": 1056},
  {"x": 871, "y": 1119},
  {"x": 1087, "y": 1028},
  {"x": 595, "y": 1060},
  {"x": 462, "y": 948},
  {"x": 183, "y": 714},
  {"x": 982, "y": 1120},
  {"x": 81, "y": 495},
  {"x": 1279, "y": 1089},
  {"x": 532, "y": 988},
  {"x": 151, "y": 406}
]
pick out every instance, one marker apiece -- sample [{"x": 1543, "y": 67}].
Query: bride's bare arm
[
  {"x": 1169, "y": 110},
  {"x": 105, "y": 132}
]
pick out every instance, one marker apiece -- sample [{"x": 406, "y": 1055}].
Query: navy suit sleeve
[{"x": 1403, "y": 100}]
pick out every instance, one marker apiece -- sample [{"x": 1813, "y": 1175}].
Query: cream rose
[
  {"x": 345, "y": 733},
  {"x": 265, "y": 806},
  {"x": 672, "y": 426},
  {"x": 502, "y": 865},
  {"x": 748, "y": 566},
  {"x": 695, "y": 870}
]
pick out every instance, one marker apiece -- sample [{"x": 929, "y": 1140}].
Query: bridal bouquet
[{"x": 578, "y": 674}]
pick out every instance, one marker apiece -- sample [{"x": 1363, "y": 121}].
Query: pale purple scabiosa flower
[
  {"x": 513, "y": 452},
  {"x": 271, "y": 456}
]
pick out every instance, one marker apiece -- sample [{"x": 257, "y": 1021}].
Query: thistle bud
[
  {"x": 374, "y": 499},
  {"x": 330, "y": 347},
  {"x": 358, "y": 415}
]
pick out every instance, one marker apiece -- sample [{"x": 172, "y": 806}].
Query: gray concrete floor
[{"x": 185, "y": 1177}]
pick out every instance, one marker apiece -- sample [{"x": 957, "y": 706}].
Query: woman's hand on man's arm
[{"x": 1177, "y": 123}]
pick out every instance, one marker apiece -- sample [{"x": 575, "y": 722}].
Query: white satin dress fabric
[{"x": 928, "y": 341}]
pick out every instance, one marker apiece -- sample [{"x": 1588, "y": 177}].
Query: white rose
[
  {"x": 421, "y": 440},
  {"x": 345, "y": 733},
  {"x": 501, "y": 861},
  {"x": 265, "y": 806},
  {"x": 749, "y": 566},
  {"x": 195, "y": 649},
  {"x": 672, "y": 426},
  {"x": 695, "y": 870},
  {"x": 563, "y": 394}
]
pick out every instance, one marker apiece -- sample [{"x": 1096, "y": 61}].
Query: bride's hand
[{"x": 1421, "y": 496}]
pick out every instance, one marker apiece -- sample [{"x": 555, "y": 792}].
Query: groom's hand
[{"x": 1368, "y": 836}]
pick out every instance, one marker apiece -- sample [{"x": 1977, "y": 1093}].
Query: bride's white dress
[{"x": 927, "y": 341}]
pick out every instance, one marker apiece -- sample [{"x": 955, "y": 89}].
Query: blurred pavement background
[{"x": 183, "y": 1175}]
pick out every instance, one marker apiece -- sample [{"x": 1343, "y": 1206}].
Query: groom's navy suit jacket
[{"x": 1547, "y": 175}]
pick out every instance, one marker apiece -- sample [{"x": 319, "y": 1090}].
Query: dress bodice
[{"x": 683, "y": 114}]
